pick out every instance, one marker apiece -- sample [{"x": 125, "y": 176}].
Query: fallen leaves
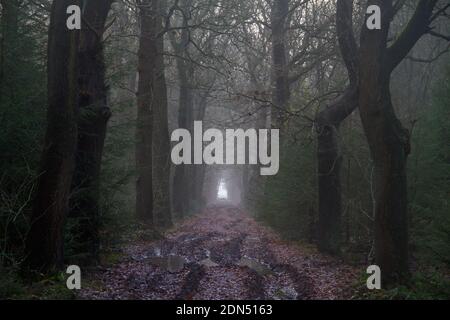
[{"x": 221, "y": 255}]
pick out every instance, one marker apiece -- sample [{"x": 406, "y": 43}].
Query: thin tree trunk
[
  {"x": 8, "y": 40},
  {"x": 144, "y": 129},
  {"x": 281, "y": 92},
  {"x": 44, "y": 244},
  {"x": 183, "y": 173},
  {"x": 199, "y": 170},
  {"x": 161, "y": 140},
  {"x": 94, "y": 115},
  {"x": 257, "y": 183},
  {"x": 182, "y": 192},
  {"x": 349, "y": 200}
]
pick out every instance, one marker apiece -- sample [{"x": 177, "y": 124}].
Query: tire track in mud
[
  {"x": 192, "y": 282},
  {"x": 220, "y": 255},
  {"x": 229, "y": 253}
]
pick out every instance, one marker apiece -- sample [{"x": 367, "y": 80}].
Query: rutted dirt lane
[{"x": 221, "y": 255}]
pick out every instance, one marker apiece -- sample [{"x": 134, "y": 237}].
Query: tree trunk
[
  {"x": 329, "y": 162},
  {"x": 256, "y": 182},
  {"x": 199, "y": 170},
  {"x": 281, "y": 92},
  {"x": 161, "y": 140},
  {"x": 44, "y": 244},
  {"x": 9, "y": 37},
  {"x": 388, "y": 140},
  {"x": 182, "y": 191},
  {"x": 92, "y": 123},
  {"x": 330, "y": 202},
  {"x": 183, "y": 173},
  {"x": 389, "y": 145},
  {"x": 144, "y": 129},
  {"x": 329, "y": 158}
]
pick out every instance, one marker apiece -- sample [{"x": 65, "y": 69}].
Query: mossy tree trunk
[{"x": 44, "y": 243}]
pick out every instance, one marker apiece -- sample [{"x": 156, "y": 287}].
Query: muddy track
[
  {"x": 222, "y": 254},
  {"x": 192, "y": 282}
]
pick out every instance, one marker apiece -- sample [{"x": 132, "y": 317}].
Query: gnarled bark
[
  {"x": 92, "y": 123},
  {"x": 327, "y": 124},
  {"x": 44, "y": 244},
  {"x": 388, "y": 140}
]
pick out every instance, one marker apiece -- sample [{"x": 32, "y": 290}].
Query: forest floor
[{"x": 222, "y": 254}]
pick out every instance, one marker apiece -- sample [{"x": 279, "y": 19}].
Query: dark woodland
[{"x": 87, "y": 176}]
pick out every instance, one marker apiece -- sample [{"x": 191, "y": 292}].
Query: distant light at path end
[{"x": 222, "y": 194}]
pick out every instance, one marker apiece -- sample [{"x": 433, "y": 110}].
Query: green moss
[
  {"x": 10, "y": 284},
  {"x": 423, "y": 286},
  {"x": 110, "y": 258},
  {"x": 51, "y": 287}
]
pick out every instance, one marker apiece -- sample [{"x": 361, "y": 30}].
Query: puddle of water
[
  {"x": 172, "y": 264},
  {"x": 208, "y": 263},
  {"x": 286, "y": 293},
  {"x": 255, "y": 265},
  {"x": 175, "y": 264}
]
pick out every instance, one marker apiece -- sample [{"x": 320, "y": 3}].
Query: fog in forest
[{"x": 225, "y": 150}]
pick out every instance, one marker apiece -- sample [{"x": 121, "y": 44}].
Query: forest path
[{"x": 222, "y": 254}]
